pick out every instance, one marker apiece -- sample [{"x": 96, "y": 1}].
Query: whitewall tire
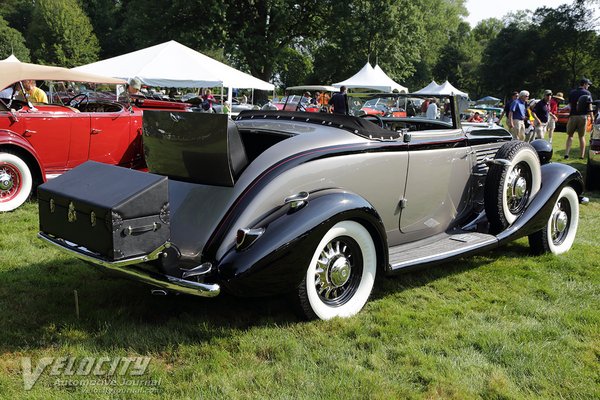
[
  {"x": 510, "y": 188},
  {"x": 558, "y": 235},
  {"x": 341, "y": 273},
  {"x": 15, "y": 181}
]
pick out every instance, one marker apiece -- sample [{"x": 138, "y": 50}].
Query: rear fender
[
  {"x": 277, "y": 261},
  {"x": 555, "y": 176}
]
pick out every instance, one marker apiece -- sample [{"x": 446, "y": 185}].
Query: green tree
[
  {"x": 508, "y": 61},
  {"x": 432, "y": 28},
  {"x": 570, "y": 43},
  {"x": 261, "y": 32},
  {"x": 198, "y": 24},
  {"x": 61, "y": 34},
  {"x": 459, "y": 59},
  {"x": 294, "y": 68},
  {"x": 107, "y": 17},
  {"x": 379, "y": 31},
  {"x": 17, "y": 13},
  {"x": 12, "y": 42},
  {"x": 550, "y": 48}
]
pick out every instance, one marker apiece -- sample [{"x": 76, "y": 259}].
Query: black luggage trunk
[{"x": 114, "y": 211}]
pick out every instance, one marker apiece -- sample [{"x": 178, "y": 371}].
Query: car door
[
  {"x": 110, "y": 136},
  {"x": 439, "y": 169},
  {"x": 48, "y": 129}
]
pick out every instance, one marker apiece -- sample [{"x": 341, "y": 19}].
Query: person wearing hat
[
  {"x": 553, "y": 110},
  {"x": 517, "y": 115},
  {"x": 541, "y": 114},
  {"x": 133, "y": 87},
  {"x": 578, "y": 117}
]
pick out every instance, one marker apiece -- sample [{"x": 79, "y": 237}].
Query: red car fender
[{"x": 11, "y": 139}]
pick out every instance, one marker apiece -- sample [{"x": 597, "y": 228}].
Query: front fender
[
  {"x": 9, "y": 139},
  {"x": 555, "y": 176},
  {"x": 277, "y": 261}
]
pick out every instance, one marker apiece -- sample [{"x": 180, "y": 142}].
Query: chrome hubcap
[
  {"x": 338, "y": 271},
  {"x": 10, "y": 182},
  {"x": 518, "y": 188},
  {"x": 6, "y": 182},
  {"x": 559, "y": 221}
]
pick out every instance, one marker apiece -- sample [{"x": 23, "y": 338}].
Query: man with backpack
[{"x": 578, "y": 116}]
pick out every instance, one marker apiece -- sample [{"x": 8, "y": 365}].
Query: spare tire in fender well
[{"x": 510, "y": 188}]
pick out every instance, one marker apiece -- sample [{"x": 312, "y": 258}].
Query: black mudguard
[
  {"x": 555, "y": 177},
  {"x": 277, "y": 261}
]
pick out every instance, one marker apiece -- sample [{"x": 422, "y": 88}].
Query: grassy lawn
[{"x": 503, "y": 325}]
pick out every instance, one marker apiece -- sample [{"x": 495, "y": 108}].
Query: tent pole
[{"x": 229, "y": 96}]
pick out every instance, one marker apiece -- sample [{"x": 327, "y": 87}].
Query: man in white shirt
[{"x": 432, "y": 109}]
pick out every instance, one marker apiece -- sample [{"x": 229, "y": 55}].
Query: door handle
[
  {"x": 96, "y": 131},
  {"x": 28, "y": 132}
]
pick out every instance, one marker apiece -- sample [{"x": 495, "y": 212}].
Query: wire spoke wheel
[
  {"x": 511, "y": 184},
  {"x": 558, "y": 235},
  {"x": 11, "y": 181},
  {"x": 338, "y": 271},
  {"x": 518, "y": 188},
  {"x": 341, "y": 273},
  {"x": 15, "y": 181}
]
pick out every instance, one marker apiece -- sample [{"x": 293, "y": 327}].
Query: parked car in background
[
  {"x": 235, "y": 108},
  {"x": 563, "y": 119},
  {"x": 384, "y": 106},
  {"x": 315, "y": 206},
  {"x": 297, "y": 102},
  {"x": 41, "y": 141}
]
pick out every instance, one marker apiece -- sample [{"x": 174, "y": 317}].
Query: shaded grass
[{"x": 502, "y": 325}]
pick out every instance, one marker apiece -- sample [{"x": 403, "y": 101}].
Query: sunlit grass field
[{"x": 502, "y": 325}]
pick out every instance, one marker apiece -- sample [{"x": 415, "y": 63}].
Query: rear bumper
[{"x": 129, "y": 268}]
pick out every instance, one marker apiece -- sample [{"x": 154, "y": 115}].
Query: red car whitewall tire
[{"x": 15, "y": 181}]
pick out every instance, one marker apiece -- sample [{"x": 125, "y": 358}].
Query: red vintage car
[
  {"x": 563, "y": 117},
  {"x": 41, "y": 141}
]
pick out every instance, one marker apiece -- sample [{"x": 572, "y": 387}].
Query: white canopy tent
[
  {"x": 429, "y": 89},
  {"x": 445, "y": 88},
  {"x": 385, "y": 78},
  {"x": 372, "y": 78},
  {"x": 172, "y": 64}
]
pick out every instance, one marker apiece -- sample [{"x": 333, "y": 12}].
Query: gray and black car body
[{"x": 312, "y": 205}]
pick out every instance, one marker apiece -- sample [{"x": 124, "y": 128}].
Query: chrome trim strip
[{"x": 127, "y": 267}]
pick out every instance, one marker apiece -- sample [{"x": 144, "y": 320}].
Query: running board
[{"x": 439, "y": 248}]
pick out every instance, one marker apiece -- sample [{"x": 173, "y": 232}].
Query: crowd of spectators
[{"x": 534, "y": 119}]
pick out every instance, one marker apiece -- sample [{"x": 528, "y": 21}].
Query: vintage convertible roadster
[{"x": 313, "y": 205}]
